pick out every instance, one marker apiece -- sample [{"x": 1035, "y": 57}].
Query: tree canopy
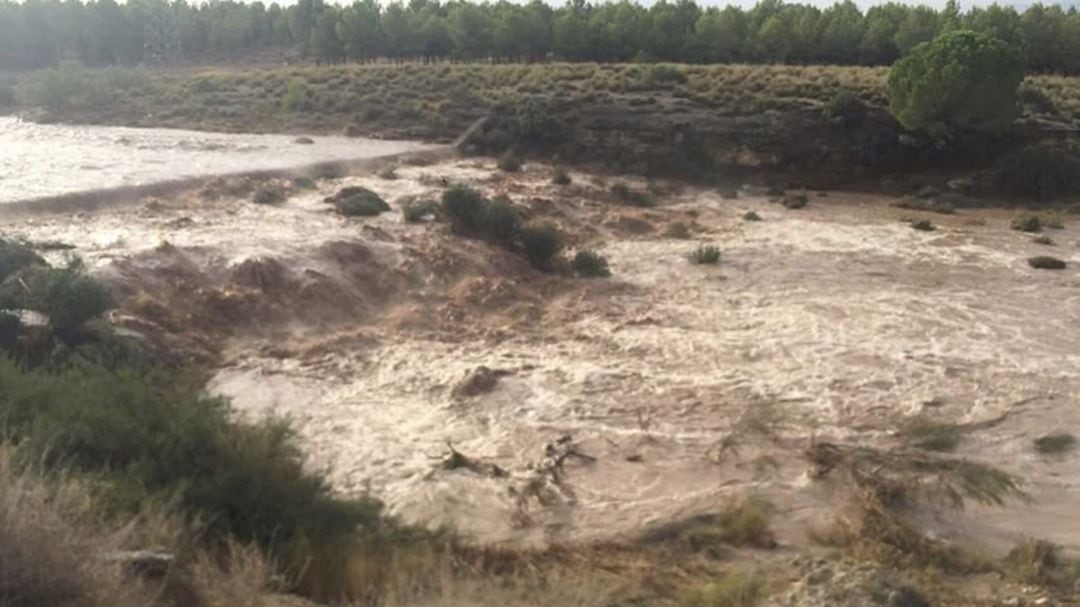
[
  {"x": 38, "y": 33},
  {"x": 960, "y": 80}
]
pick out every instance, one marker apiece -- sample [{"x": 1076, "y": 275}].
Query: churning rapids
[{"x": 41, "y": 160}]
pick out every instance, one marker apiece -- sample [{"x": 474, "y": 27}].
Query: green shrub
[
  {"x": 296, "y": 96},
  {"x": 542, "y": 244},
  {"x": 66, "y": 295},
  {"x": 845, "y": 108},
  {"x": 960, "y": 80},
  {"x": 1042, "y": 172},
  {"x": 304, "y": 183},
  {"x": 416, "y": 210},
  {"x": 923, "y": 225},
  {"x": 735, "y": 589},
  {"x": 15, "y": 256},
  {"x": 1027, "y": 222},
  {"x": 751, "y": 216},
  {"x": 794, "y": 201},
  {"x": 624, "y": 194},
  {"x": 1044, "y": 240},
  {"x": 705, "y": 254},
  {"x": 269, "y": 194},
  {"x": 501, "y": 221},
  {"x": 678, "y": 230},
  {"x": 662, "y": 75},
  {"x": 589, "y": 264},
  {"x": 357, "y": 201},
  {"x": 10, "y": 327},
  {"x": 1056, "y": 443},
  {"x": 510, "y": 162},
  {"x": 244, "y": 481},
  {"x": 537, "y": 124},
  {"x": 560, "y": 176},
  {"x": 1043, "y": 262},
  {"x": 465, "y": 208}
]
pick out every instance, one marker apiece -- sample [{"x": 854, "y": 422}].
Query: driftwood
[{"x": 456, "y": 459}]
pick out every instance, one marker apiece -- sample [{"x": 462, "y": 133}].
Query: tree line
[{"x": 39, "y": 33}]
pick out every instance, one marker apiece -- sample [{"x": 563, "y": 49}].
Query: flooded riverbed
[
  {"x": 835, "y": 322},
  {"x": 40, "y": 160}
]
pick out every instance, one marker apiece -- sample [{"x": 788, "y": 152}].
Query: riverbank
[
  {"x": 710, "y": 123},
  {"x": 687, "y": 388}
]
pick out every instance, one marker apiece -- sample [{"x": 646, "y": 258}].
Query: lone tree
[{"x": 961, "y": 80}]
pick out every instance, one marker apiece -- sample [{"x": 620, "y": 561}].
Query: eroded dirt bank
[{"x": 690, "y": 385}]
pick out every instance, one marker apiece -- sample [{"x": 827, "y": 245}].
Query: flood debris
[{"x": 456, "y": 460}]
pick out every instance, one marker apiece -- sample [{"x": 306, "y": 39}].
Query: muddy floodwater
[
  {"x": 39, "y": 160},
  {"x": 689, "y": 385}
]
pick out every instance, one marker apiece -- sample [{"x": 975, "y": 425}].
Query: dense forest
[{"x": 37, "y": 33}]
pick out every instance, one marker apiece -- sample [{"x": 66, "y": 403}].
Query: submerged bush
[
  {"x": 542, "y": 244},
  {"x": 560, "y": 176},
  {"x": 794, "y": 201},
  {"x": 416, "y": 210},
  {"x": 923, "y": 225},
  {"x": 269, "y": 194},
  {"x": 589, "y": 264},
  {"x": 734, "y": 589},
  {"x": 358, "y": 201},
  {"x": 510, "y": 162},
  {"x": 1027, "y": 222},
  {"x": 465, "y": 208},
  {"x": 751, "y": 216},
  {"x": 629, "y": 196},
  {"x": 1042, "y": 172},
  {"x": 931, "y": 436},
  {"x": 705, "y": 254},
  {"x": 1053, "y": 444},
  {"x": 1044, "y": 262}
]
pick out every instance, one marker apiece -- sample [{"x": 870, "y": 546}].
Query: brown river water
[{"x": 837, "y": 321}]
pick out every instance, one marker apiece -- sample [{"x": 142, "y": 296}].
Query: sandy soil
[{"x": 691, "y": 385}]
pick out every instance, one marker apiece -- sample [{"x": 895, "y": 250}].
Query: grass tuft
[{"x": 705, "y": 255}]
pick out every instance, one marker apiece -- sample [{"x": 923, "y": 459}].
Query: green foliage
[
  {"x": 1026, "y": 222},
  {"x": 923, "y": 225},
  {"x": 501, "y": 221},
  {"x": 357, "y": 201},
  {"x": 542, "y": 245},
  {"x": 1056, "y": 443},
  {"x": 1043, "y": 240},
  {"x": 560, "y": 176},
  {"x": 296, "y": 97},
  {"x": 734, "y": 589},
  {"x": 656, "y": 76},
  {"x": 705, "y": 254},
  {"x": 845, "y": 108},
  {"x": 510, "y": 162},
  {"x": 589, "y": 264},
  {"x": 245, "y": 481},
  {"x": 536, "y": 124},
  {"x": 465, "y": 208},
  {"x": 1042, "y": 172},
  {"x": 1045, "y": 262},
  {"x": 751, "y": 216},
  {"x": 66, "y": 295},
  {"x": 415, "y": 211},
  {"x": 1042, "y": 563},
  {"x": 15, "y": 256},
  {"x": 961, "y": 80},
  {"x": 71, "y": 86}
]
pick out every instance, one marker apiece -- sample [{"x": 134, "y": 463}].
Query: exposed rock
[{"x": 303, "y": 141}]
